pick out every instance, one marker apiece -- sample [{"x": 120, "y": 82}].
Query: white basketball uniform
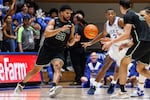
[
  {"x": 113, "y": 51},
  {"x": 93, "y": 74}
]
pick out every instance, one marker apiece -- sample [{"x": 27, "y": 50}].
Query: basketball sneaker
[
  {"x": 19, "y": 88},
  {"x": 111, "y": 88},
  {"x": 137, "y": 93},
  {"x": 92, "y": 90},
  {"x": 120, "y": 95},
  {"x": 54, "y": 91}
]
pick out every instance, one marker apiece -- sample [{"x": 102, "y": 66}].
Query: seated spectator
[
  {"x": 93, "y": 66},
  {"x": 50, "y": 71}
]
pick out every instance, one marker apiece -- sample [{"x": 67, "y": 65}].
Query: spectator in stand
[
  {"x": 53, "y": 12},
  {"x": 8, "y": 34},
  {"x": 8, "y": 37},
  {"x": 93, "y": 65},
  {"x": 21, "y": 14},
  {"x": 1, "y": 32},
  {"x": 26, "y": 36},
  {"x": 31, "y": 11},
  {"x": 77, "y": 52}
]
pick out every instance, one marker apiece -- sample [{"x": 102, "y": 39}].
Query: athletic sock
[
  {"x": 53, "y": 84},
  {"x": 113, "y": 82},
  {"x": 141, "y": 82},
  {"x": 122, "y": 87},
  {"x": 141, "y": 86},
  {"x": 95, "y": 83},
  {"x": 22, "y": 83}
]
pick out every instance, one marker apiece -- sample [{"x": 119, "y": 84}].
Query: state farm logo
[{"x": 12, "y": 71}]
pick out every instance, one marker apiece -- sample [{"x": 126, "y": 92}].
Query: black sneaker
[
  {"x": 111, "y": 88},
  {"x": 92, "y": 90}
]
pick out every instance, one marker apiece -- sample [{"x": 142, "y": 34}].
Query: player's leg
[
  {"x": 113, "y": 83},
  {"x": 117, "y": 55},
  {"x": 141, "y": 68},
  {"x": 57, "y": 65},
  {"x": 122, "y": 78},
  {"x": 143, "y": 60},
  {"x": 140, "y": 87},
  {"x": 42, "y": 59},
  {"x": 101, "y": 74},
  {"x": 29, "y": 75},
  {"x": 103, "y": 70}
]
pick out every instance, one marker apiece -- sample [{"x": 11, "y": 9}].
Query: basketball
[{"x": 90, "y": 31}]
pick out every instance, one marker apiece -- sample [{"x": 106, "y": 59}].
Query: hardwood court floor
[{"x": 68, "y": 93}]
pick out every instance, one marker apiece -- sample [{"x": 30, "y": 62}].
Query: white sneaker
[
  {"x": 120, "y": 95},
  {"x": 19, "y": 88},
  {"x": 137, "y": 93},
  {"x": 54, "y": 91}
]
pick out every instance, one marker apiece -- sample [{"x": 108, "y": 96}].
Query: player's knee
[
  {"x": 57, "y": 64},
  {"x": 125, "y": 61},
  {"x": 139, "y": 70}
]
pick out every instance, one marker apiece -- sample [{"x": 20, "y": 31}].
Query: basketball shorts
[
  {"x": 140, "y": 52},
  {"x": 45, "y": 56},
  {"x": 115, "y": 54}
]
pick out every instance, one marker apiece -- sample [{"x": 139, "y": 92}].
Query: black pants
[{"x": 78, "y": 59}]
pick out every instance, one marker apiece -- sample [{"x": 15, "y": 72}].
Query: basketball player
[
  {"x": 140, "y": 86},
  {"x": 58, "y": 34},
  {"x": 137, "y": 28},
  {"x": 112, "y": 27}
]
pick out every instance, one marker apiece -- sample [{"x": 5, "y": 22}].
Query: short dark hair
[
  {"x": 53, "y": 10},
  {"x": 80, "y": 12},
  {"x": 126, "y": 3},
  {"x": 147, "y": 9},
  {"x": 64, "y": 7},
  {"x": 109, "y": 9},
  {"x": 26, "y": 17}
]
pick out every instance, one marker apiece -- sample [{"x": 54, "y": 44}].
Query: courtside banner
[{"x": 15, "y": 66}]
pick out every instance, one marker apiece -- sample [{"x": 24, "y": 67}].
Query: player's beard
[{"x": 65, "y": 19}]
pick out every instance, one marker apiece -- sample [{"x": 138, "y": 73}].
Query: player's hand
[
  {"x": 84, "y": 79},
  {"x": 122, "y": 46},
  {"x": 105, "y": 39},
  {"x": 106, "y": 45},
  {"x": 86, "y": 44},
  {"x": 77, "y": 37}
]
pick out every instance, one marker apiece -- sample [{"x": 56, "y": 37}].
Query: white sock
[
  {"x": 141, "y": 86},
  {"x": 113, "y": 82},
  {"x": 141, "y": 82},
  {"x": 95, "y": 83}
]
